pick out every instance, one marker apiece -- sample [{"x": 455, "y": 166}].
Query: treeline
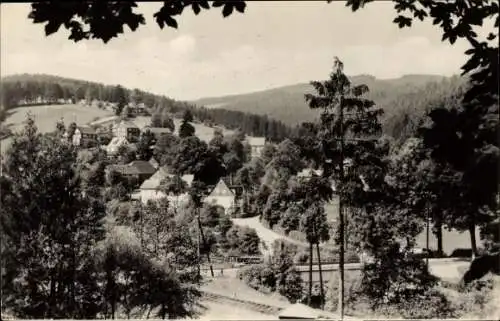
[{"x": 23, "y": 90}]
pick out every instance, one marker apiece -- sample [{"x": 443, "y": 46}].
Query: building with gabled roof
[
  {"x": 142, "y": 170},
  {"x": 256, "y": 145},
  {"x": 222, "y": 195},
  {"x": 127, "y": 129},
  {"x": 84, "y": 134},
  {"x": 150, "y": 188},
  {"x": 115, "y": 144}
]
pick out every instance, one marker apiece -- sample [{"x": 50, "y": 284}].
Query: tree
[
  {"x": 126, "y": 112},
  {"x": 50, "y": 227},
  {"x": 60, "y": 127},
  {"x": 286, "y": 159},
  {"x": 145, "y": 145},
  {"x": 53, "y": 92},
  {"x": 312, "y": 195},
  {"x": 234, "y": 158},
  {"x": 119, "y": 97},
  {"x": 349, "y": 129},
  {"x": 288, "y": 280},
  {"x": 186, "y": 129},
  {"x": 464, "y": 139},
  {"x": 71, "y": 130},
  {"x": 161, "y": 118},
  {"x": 133, "y": 280}
]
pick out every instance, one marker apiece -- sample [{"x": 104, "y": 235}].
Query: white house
[
  {"x": 256, "y": 144},
  {"x": 222, "y": 195},
  {"x": 83, "y": 134},
  {"x": 308, "y": 172},
  {"x": 127, "y": 129},
  {"x": 114, "y": 145},
  {"x": 150, "y": 188}
]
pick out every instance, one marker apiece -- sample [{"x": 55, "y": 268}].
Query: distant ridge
[{"x": 287, "y": 103}]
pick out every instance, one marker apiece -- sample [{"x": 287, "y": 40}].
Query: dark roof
[
  {"x": 128, "y": 124},
  {"x": 134, "y": 168},
  {"x": 143, "y": 167}
]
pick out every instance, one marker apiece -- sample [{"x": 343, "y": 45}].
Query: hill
[
  {"x": 41, "y": 89},
  {"x": 410, "y": 93}
]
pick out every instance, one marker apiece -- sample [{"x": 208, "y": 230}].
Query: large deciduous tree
[{"x": 51, "y": 227}]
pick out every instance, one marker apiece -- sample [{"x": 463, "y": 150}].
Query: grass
[
  {"x": 233, "y": 287},
  {"x": 200, "y": 129},
  {"x": 47, "y": 116}
]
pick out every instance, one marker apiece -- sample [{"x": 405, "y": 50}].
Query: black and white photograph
[{"x": 250, "y": 160}]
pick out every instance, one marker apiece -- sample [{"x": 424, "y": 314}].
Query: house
[
  {"x": 127, "y": 129},
  {"x": 150, "y": 187},
  {"x": 115, "y": 144},
  {"x": 222, "y": 195},
  {"x": 256, "y": 144},
  {"x": 156, "y": 131},
  {"x": 309, "y": 172},
  {"x": 141, "y": 170},
  {"x": 84, "y": 135},
  {"x": 140, "y": 109}
]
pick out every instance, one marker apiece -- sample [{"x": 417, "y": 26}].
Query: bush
[
  {"x": 243, "y": 240},
  {"x": 475, "y": 299},
  {"x": 259, "y": 277},
  {"x": 430, "y": 305},
  {"x": 292, "y": 288},
  {"x": 396, "y": 277}
]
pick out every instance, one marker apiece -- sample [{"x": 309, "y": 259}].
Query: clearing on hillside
[{"x": 47, "y": 116}]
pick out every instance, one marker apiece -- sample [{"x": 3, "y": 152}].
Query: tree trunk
[
  {"x": 149, "y": 312},
  {"x": 310, "y": 273},
  {"x": 472, "y": 231},
  {"x": 205, "y": 245},
  {"x": 439, "y": 235},
  {"x": 320, "y": 278}
]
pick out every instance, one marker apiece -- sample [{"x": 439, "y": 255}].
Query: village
[{"x": 125, "y": 132}]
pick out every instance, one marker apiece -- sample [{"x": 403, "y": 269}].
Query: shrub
[
  {"x": 259, "y": 277},
  {"x": 396, "y": 277},
  {"x": 475, "y": 299},
  {"x": 292, "y": 288},
  {"x": 301, "y": 257},
  {"x": 296, "y": 235},
  {"x": 429, "y": 305}
]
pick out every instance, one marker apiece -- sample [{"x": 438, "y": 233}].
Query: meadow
[{"x": 47, "y": 116}]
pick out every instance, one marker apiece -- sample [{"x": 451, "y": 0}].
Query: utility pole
[
  {"x": 200, "y": 231},
  {"x": 341, "y": 213},
  {"x": 427, "y": 238}
]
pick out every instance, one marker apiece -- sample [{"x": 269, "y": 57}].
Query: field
[
  {"x": 202, "y": 131},
  {"x": 47, "y": 116}
]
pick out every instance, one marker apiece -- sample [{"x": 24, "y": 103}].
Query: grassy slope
[{"x": 47, "y": 116}]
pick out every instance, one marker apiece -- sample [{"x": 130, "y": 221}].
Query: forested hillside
[
  {"x": 271, "y": 113},
  {"x": 37, "y": 89},
  {"x": 404, "y": 100}
]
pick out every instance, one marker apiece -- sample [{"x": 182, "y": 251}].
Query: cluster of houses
[{"x": 149, "y": 174}]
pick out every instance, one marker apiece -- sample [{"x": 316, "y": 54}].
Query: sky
[{"x": 273, "y": 44}]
